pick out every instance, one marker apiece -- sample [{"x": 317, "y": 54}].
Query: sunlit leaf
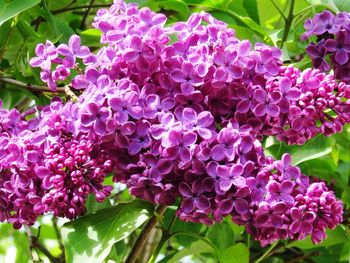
[
  {"x": 90, "y": 238},
  {"x": 238, "y": 253},
  {"x": 10, "y": 9}
]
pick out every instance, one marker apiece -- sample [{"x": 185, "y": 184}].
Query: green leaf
[
  {"x": 92, "y": 205},
  {"x": 238, "y": 253},
  {"x": 90, "y": 238},
  {"x": 345, "y": 253},
  {"x": 10, "y": 95},
  {"x": 255, "y": 27},
  {"x": 5, "y": 30},
  {"x": 334, "y": 237},
  {"x": 61, "y": 29},
  {"x": 195, "y": 248},
  {"x": 313, "y": 149},
  {"x": 91, "y": 37},
  {"x": 327, "y": 3},
  {"x": 268, "y": 14},
  {"x": 342, "y": 5},
  {"x": 221, "y": 235},
  {"x": 10, "y": 9},
  {"x": 118, "y": 252},
  {"x": 252, "y": 8}
]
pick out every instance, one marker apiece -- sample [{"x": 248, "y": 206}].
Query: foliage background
[{"x": 111, "y": 232}]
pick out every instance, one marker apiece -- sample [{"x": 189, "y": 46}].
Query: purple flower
[
  {"x": 258, "y": 186},
  {"x": 266, "y": 59},
  {"x": 270, "y": 215},
  {"x": 288, "y": 171},
  {"x": 187, "y": 77},
  {"x": 245, "y": 96},
  {"x": 303, "y": 119},
  {"x": 318, "y": 56},
  {"x": 225, "y": 147},
  {"x": 289, "y": 94},
  {"x": 150, "y": 18},
  {"x": 198, "y": 123},
  {"x": 137, "y": 48},
  {"x": 280, "y": 192},
  {"x": 231, "y": 176},
  {"x": 267, "y": 103},
  {"x": 126, "y": 105},
  {"x": 179, "y": 143},
  {"x": 326, "y": 22},
  {"x": 193, "y": 196},
  {"x": 73, "y": 50},
  {"x": 96, "y": 117},
  {"x": 45, "y": 54},
  {"x": 226, "y": 62},
  {"x": 140, "y": 138},
  {"x": 178, "y": 121},
  {"x": 341, "y": 47},
  {"x": 146, "y": 188},
  {"x": 155, "y": 107},
  {"x": 302, "y": 221}
]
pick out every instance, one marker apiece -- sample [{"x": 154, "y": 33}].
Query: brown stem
[
  {"x": 34, "y": 243},
  {"x": 30, "y": 87},
  {"x": 82, "y": 24},
  {"x": 302, "y": 257},
  {"x": 58, "y": 11},
  {"x": 141, "y": 240}
]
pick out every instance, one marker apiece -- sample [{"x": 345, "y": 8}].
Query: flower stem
[
  {"x": 279, "y": 10},
  {"x": 30, "y": 87},
  {"x": 267, "y": 252},
  {"x": 166, "y": 234},
  {"x": 156, "y": 252},
  {"x": 141, "y": 240},
  {"x": 34, "y": 243},
  {"x": 288, "y": 23}
]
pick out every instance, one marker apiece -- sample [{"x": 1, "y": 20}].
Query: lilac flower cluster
[
  {"x": 333, "y": 42},
  {"x": 184, "y": 120},
  {"x": 44, "y": 169},
  {"x": 64, "y": 57}
]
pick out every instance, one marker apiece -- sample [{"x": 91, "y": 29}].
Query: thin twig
[
  {"x": 35, "y": 243},
  {"x": 62, "y": 10},
  {"x": 166, "y": 234},
  {"x": 267, "y": 252},
  {"x": 29, "y": 236},
  {"x": 58, "y": 234},
  {"x": 82, "y": 24},
  {"x": 279, "y": 10},
  {"x": 30, "y": 87},
  {"x": 141, "y": 240},
  {"x": 302, "y": 257}
]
